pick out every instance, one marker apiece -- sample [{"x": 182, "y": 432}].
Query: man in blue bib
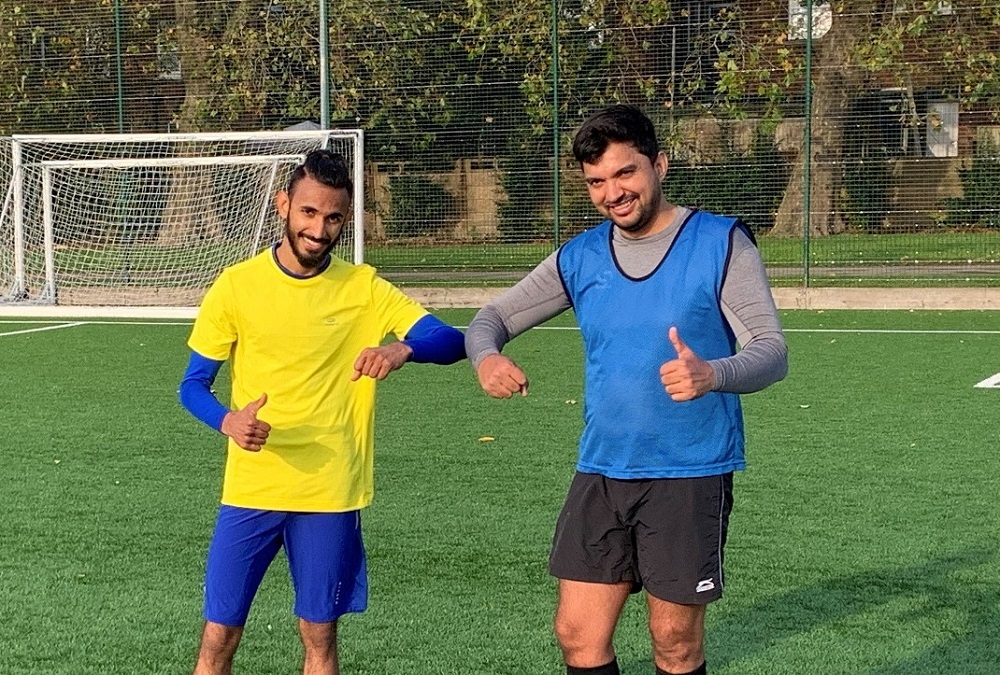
[{"x": 663, "y": 295}]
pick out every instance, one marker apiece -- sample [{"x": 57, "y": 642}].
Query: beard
[
  {"x": 308, "y": 260},
  {"x": 642, "y": 218}
]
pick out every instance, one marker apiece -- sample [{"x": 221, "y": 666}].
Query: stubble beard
[
  {"x": 643, "y": 218},
  {"x": 310, "y": 261}
]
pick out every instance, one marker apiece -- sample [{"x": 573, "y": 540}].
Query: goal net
[{"x": 148, "y": 219}]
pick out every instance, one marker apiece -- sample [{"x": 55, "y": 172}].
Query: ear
[
  {"x": 661, "y": 164},
  {"x": 282, "y": 203}
]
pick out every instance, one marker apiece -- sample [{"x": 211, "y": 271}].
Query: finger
[
  {"x": 363, "y": 362},
  {"x": 675, "y": 340},
  {"x": 673, "y": 371},
  {"x": 255, "y": 406}
]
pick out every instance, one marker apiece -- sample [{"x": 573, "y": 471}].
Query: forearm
[
  {"x": 486, "y": 335},
  {"x": 195, "y": 391},
  {"x": 756, "y": 366},
  {"x": 433, "y": 341},
  {"x": 749, "y": 308},
  {"x": 532, "y": 301}
]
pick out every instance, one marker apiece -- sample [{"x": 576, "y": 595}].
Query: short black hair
[
  {"x": 618, "y": 124},
  {"x": 326, "y": 167}
]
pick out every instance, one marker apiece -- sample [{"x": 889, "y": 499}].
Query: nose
[
  {"x": 315, "y": 228},
  {"x": 613, "y": 191}
]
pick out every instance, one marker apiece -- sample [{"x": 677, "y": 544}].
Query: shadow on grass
[{"x": 964, "y": 613}]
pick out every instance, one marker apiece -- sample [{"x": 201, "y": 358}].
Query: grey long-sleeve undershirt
[{"x": 747, "y": 305}]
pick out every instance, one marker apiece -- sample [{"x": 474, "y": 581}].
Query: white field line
[
  {"x": 41, "y": 328},
  {"x": 989, "y": 383},
  {"x": 96, "y": 323},
  {"x": 888, "y": 331}
]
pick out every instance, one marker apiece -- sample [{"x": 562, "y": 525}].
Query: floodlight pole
[
  {"x": 118, "y": 66},
  {"x": 555, "y": 121},
  {"x": 324, "y": 66},
  {"x": 807, "y": 149}
]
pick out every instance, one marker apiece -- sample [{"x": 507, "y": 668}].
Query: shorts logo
[{"x": 704, "y": 585}]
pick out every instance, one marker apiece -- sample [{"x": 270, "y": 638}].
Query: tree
[{"x": 949, "y": 48}]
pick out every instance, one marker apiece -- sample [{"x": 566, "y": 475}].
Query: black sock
[
  {"x": 606, "y": 669},
  {"x": 700, "y": 670}
]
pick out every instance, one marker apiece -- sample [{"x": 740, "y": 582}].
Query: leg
[
  {"x": 218, "y": 646},
  {"x": 680, "y": 535},
  {"x": 320, "y": 643},
  {"x": 585, "y": 621},
  {"x": 678, "y": 633},
  {"x": 243, "y": 545},
  {"x": 326, "y": 557},
  {"x": 593, "y": 557}
]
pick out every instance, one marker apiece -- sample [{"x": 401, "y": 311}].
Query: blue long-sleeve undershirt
[
  {"x": 196, "y": 390},
  {"x": 431, "y": 340},
  {"x": 434, "y": 341}
]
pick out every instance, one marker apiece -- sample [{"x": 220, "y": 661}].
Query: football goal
[{"x": 147, "y": 220}]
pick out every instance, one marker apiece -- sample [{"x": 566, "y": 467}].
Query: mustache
[
  {"x": 621, "y": 200},
  {"x": 319, "y": 240}
]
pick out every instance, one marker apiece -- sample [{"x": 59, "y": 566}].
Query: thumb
[
  {"x": 254, "y": 406},
  {"x": 682, "y": 349}
]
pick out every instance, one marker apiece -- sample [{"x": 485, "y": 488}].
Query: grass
[
  {"x": 936, "y": 248},
  {"x": 941, "y": 247},
  {"x": 862, "y": 539}
]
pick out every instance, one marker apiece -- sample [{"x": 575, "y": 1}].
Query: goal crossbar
[
  {"x": 67, "y": 204},
  {"x": 127, "y": 163}
]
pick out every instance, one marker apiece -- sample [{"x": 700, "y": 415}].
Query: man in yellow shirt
[{"x": 302, "y": 331}]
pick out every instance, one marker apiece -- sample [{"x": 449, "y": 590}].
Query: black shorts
[{"x": 665, "y": 535}]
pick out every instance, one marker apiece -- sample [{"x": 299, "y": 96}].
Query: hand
[
  {"x": 501, "y": 378},
  {"x": 243, "y": 426},
  {"x": 688, "y": 376},
  {"x": 378, "y": 362}
]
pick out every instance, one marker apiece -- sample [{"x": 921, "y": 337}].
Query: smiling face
[
  {"x": 314, "y": 216},
  {"x": 624, "y": 185}
]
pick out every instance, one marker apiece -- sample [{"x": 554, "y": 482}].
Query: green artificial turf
[{"x": 863, "y": 538}]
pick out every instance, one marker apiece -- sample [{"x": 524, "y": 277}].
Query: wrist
[{"x": 407, "y": 349}]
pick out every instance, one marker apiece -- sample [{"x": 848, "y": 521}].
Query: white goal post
[{"x": 141, "y": 224}]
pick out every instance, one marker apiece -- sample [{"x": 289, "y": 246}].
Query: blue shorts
[{"x": 326, "y": 558}]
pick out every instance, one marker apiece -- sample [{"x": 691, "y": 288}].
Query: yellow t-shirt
[{"x": 296, "y": 340}]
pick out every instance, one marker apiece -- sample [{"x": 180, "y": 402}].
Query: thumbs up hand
[
  {"x": 243, "y": 426},
  {"x": 688, "y": 376}
]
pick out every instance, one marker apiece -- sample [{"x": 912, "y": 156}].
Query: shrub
[
  {"x": 418, "y": 206},
  {"x": 979, "y": 204},
  {"x": 749, "y": 186}
]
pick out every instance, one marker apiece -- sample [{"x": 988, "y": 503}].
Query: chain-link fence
[{"x": 468, "y": 109}]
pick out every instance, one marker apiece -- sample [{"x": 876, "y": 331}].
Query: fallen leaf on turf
[
  {"x": 571, "y": 401},
  {"x": 486, "y": 439}
]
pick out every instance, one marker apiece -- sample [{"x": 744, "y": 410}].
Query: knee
[
  {"x": 319, "y": 639},
  {"x": 678, "y": 650},
  {"x": 578, "y": 636},
  {"x": 569, "y": 633},
  {"x": 220, "y": 638}
]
